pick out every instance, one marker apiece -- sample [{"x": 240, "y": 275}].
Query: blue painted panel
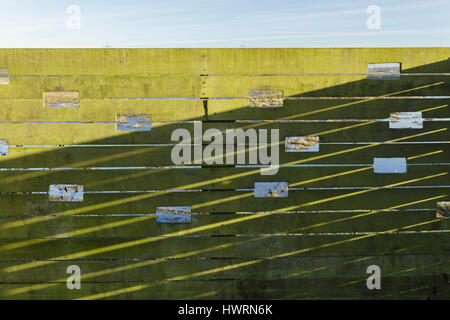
[
  {"x": 389, "y": 165},
  {"x": 178, "y": 214},
  {"x": 66, "y": 192},
  {"x": 3, "y": 147},
  {"x": 406, "y": 120}
]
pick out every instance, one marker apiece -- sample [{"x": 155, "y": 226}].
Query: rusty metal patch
[
  {"x": 383, "y": 71},
  {"x": 302, "y": 144},
  {"x": 179, "y": 214},
  {"x": 443, "y": 209},
  {"x": 66, "y": 193},
  {"x": 271, "y": 189},
  {"x": 389, "y": 165},
  {"x": 4, "y": 78},
  {"x": 4, "y": 147},
  {"x": 133, "y": 122},
  {"x": 266, "y": 99},
  {"x": 67, "y": 99},
  {"x": 406, "y": 120}
]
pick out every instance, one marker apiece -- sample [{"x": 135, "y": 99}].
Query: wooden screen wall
[{"x": 338, "y": 219}]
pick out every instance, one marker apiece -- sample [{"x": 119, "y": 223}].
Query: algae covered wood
[{"x": 87, "y": 175}]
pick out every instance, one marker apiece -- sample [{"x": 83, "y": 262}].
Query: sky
[{"x": 223, "y": 24}]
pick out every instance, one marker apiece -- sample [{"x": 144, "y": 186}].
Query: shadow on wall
[{"x": 30, "y": 213}]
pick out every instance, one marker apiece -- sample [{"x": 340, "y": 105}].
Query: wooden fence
[{"x": 88, "y": 179}]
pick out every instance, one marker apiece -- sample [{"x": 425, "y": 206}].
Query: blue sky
[{"x": 216, "y": 23}]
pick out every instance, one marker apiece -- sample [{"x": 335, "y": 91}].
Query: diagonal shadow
[{"x": 164, "y": 179}]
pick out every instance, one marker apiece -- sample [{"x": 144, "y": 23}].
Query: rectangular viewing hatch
[
  {"x": 384, "y": 71},
  {"x": 389, "y": 165},
  {"x": 271, "y": 189},
  {"x": 66, "y": 99},
  {"x": 266, "y": 99},
  {"x": 178, "y": 214}
]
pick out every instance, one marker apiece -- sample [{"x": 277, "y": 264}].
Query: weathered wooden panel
[{"x": 338, "y": 217}]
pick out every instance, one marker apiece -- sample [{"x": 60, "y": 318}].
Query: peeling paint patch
[
  {"x": 66, "y": 192},
  {"x": 4, "y": 147},
  {"x": 389, "y": 165},
  {"x": 271, "y": 189},
  {"x": 4, "y": 78},
  {"x": 443, "y": 209},
  {"x": 406, "y": 120},
  {"x": 383, "y": 71},
  {"x": 68, "y": 99},
  {"x": 302, "y": 144},
  {"x": 133, "y": 122},
  {"x": 266, "y": 99},
  {"x": 179, "y": 214}
]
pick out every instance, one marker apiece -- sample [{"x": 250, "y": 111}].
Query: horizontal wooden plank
[
  {"x": 78, "y": 157},
  {"x": 135, "y": 257},
  {"x": 106, "y": 87},
  {"x": 307, "y": 267},
  {"x": 101, "y": 110},
  {"x": 223, "y": 201},
  {"x": 251, "y": 247},
  {"x": 298, "y": 223},
  {"x": 101, "y": 61},
  {"x": 219, "y": 61},
  {"x": 223, "y": 87},
  {"x": 238, "y": 109},
  {"x": 324, "y": 60},
  {"x": 217, "y": 178},
  {"x": 421, "y": 288},
  {"x": 57, "y": 134},
  {"x": 326, "y": 86}
]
